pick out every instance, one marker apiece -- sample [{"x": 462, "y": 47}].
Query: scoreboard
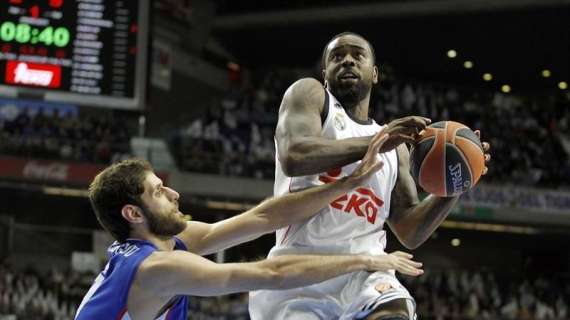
[{"x": 88, "y": 52}]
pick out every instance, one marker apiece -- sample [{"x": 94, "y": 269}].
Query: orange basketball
[{"x": 448, "y": 159}]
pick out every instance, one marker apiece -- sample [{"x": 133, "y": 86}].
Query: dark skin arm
[
  {"x": 413, "y": 221},
  {"x": 302, "y": 149}
]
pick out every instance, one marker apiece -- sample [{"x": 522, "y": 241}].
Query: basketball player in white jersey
[{"x": 321, "y": 134}]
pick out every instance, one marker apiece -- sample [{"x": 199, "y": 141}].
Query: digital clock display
[
  {"x": 90, "y": 52},
  {"x": 26, "y": 33}
]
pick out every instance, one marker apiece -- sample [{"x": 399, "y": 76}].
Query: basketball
[{"x": 448, "y": 159}]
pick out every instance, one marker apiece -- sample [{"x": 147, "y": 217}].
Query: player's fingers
[
  {"x": 380, "y": 142},
  {"x": 486, "y": 146},
  {"x": 478, "y": 133},
  {"x": 411, "y": 271},
  {"x": 407, "y": 138},
  {"x": 415, "y": 264},
  {"x": 377, "y": 139},
  {"x": 487, "y": 157},
  {"x": 377, "y": 166},
  {"x": 485, "y": 171},
  {"x": 421, "y": 122},
  {"x": 403, "y": 254}
]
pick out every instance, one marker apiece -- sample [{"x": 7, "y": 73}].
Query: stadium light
[
  {"x": 563, "y": 85},
  {"x": 546, "y": 73},
  {"x": 468, "y": 64},
  {"x": 506, "y": 88},
  {"x": 487, "y": 77},
  {"x": 451, "y": 53}
]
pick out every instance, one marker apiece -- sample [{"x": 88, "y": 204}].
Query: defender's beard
[{"x": 164, "y": 225}]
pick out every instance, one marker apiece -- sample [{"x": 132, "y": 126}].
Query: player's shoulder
[
  {"x": 156, "y": 266},
  {"x": 160, "y": 259},
  {"x": 305, "y": 93}
]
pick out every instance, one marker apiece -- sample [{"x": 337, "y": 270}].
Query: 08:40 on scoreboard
[
  {"x": 25, "y": 33},
  {"x": 90, "y": 52}
]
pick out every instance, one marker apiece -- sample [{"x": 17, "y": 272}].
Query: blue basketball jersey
[{"x": 107, "y": 297}]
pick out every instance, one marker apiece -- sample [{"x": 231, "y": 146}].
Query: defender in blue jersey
[{"x": 156, "y": 261}]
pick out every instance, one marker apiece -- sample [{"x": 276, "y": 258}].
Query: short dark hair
[
  {"x": 342, "y": 34},
  {"x": 116, "y": 186}
]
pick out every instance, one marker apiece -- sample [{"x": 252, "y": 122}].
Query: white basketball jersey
[{"x": 353, "y": 223}]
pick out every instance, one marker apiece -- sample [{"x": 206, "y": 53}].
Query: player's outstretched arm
[
  {"x": 301, "y": 148},
  {"x": 413, "y": 221},
  {"x": 167, "y": 274},
  {"x": 279, "y": 212}
]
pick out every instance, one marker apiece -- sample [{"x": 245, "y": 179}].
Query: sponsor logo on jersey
[{"x": 362, "y": 201}]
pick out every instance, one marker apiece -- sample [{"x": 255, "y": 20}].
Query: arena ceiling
[{"x": 512, "y": 40}]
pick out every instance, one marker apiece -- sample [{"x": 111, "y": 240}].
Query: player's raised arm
[
  {"x": 167, "y": 274},
  {"x": 278, "y": 212},
  {"x": 301, "y": 148}
]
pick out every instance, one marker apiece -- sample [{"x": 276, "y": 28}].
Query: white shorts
[{"x": 352, "y": 296}]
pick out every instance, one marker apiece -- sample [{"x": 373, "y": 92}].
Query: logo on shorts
[
  {"x": 339, "y": 122},
  {"x": 362, "y": 201},
  {"x": 383, "y": 287}
]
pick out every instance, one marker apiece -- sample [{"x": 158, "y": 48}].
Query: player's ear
[
  {"x": 132, "y": 214},
  {"x": 375, "y": 75}
]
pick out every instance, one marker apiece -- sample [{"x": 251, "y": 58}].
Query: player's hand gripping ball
[{"x": 447, "y": 159}]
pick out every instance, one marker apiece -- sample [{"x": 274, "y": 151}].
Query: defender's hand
[
  {"x": 486, "y": 148},
  {"x": 370, "y": 163},
  {"x": 399, "y": 261},
  {"x": 404, "y": 130}
]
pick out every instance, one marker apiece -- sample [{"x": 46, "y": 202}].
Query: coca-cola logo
[
  {"x": 48, "y": 171},
  {"x": 33, "y": 74}
]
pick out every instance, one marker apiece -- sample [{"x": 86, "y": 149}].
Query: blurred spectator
[{"x": 99, "y": 138}]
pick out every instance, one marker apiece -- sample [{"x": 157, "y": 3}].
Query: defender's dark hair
[{"x": 118, "y": 185}]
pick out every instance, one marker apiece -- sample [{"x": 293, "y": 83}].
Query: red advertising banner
[
  {"x": 33, "y": 74},
  {"x": 79, "y": 174}
]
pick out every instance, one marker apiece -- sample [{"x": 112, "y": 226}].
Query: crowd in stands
[
  {"x": 28, "y": 294},
  {"x": 235, "y": 135},
  {"x": 463, "y": 295},
  {"x": 441, "y": 295},
  {"x": 99, "y": 138}
]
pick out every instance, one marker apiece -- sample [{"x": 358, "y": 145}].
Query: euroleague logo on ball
[{"x": 457, "y": 179}]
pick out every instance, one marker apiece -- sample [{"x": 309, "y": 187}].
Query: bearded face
[{"x": 160, "y": 208}]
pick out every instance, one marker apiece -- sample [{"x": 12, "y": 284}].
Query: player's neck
[
  {"x": 161, "y": 243},
  {"x": 359, "y": 111}
]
